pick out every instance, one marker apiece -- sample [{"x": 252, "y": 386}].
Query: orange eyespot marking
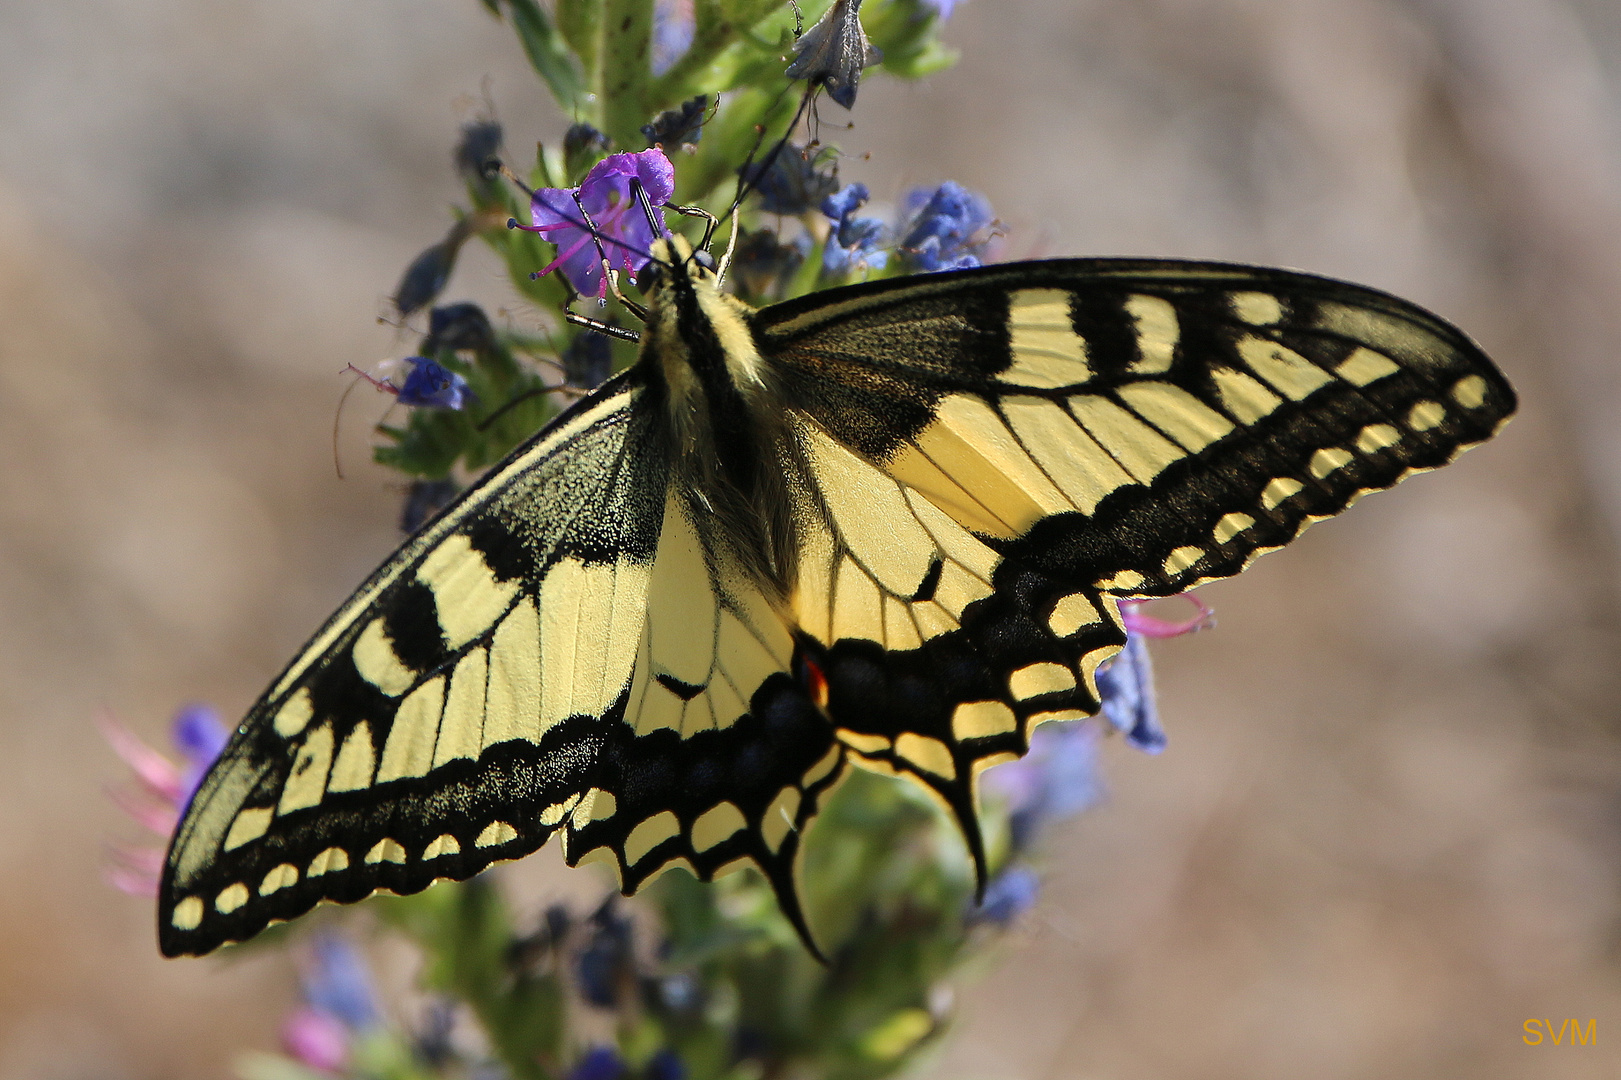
[{"x": 814, "y": 680}]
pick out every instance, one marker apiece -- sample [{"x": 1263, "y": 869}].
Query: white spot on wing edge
[
  {"x": 188, "y": 914},
  {"x": 495, "y": 834},
  {"x": 386, "y": 850},
  {"x": 280, "y": 877},
  {"x": 230, "y": 898},
  {"x": 330, "y": 861}
]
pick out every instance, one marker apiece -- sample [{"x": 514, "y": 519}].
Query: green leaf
[
  {"x": 730, "y": 37},
  {"x": 580, "y": 22},
  {"x": 909, "y": 35},
  {"x": 548, "y": 52}
]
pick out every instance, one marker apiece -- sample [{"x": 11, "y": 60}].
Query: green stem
[{"x": 626, "y": 36}]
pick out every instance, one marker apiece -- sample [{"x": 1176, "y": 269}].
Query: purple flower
[
  {"x": 430, "y": 385},
  {"x": 674, "y": 25},
  {"x": 165, "y": 787},
  {"x": 941, "y": 8},
  {"x": 1008, "y": 895},
  {"x": 853, "y": 242},
  {"x": 1126, "y": 685},
  {"x": 947, "y": 228},
  {"x": 599, "y": 1063},
  {"x": 606, "y": 198}
]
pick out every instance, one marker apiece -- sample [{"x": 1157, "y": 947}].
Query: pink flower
[
  {"x": 163, "y": 789},
  {"x": 1149, "y": 626},
  {"x": 316, "y": 1038}
]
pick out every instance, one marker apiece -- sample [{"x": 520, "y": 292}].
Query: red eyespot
[{"x": 815, "y": 682}]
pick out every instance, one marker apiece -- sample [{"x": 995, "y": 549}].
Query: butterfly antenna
[{"x": 337, "y": 418}]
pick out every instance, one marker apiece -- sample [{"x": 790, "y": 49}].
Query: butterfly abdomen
[{"x": 735, "y": 457}]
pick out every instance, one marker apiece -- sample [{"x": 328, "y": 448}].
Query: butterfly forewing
[
  {"x": 1138, "y": 427},
  {"x": 450, "y": 714}
]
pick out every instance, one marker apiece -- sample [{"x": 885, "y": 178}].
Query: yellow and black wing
[
  {"x": 978, "y": 463},
  {"x": 998, "y": 453},
  {"x": 560, "y": 650}
]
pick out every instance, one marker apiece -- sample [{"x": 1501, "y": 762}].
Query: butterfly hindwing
[
  {"x": 719, "y": 753},
  {"x": 939, "y": 653},
  {"x": 1026, "y": 441}
]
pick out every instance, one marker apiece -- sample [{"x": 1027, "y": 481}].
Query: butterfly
[{"x": 886, "y": 525}]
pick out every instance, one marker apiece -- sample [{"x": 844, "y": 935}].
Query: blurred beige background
[{"x": 1388, "y": 829}]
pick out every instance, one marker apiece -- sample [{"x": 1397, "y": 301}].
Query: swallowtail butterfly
[{"x": 885, "y": 525}]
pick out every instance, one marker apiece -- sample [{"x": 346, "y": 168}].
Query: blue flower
[
  {"x": 681, "y": 126},
  {"x": 948, "y": 228},
  {"x": 606, "y": 964},
  {"x": 337, "y": 982},
  {"x": 200, "y": 737},
  {"x": 1008, "y": 895},
  {"x": 1057, "y": 779},
  {"x": 1126, "y": 685},
  {"x": 607, "y": 200},
  {"x": 763, "y": 264},
  {"x": 431, "y": 385},
  {"x": 674, "y": 25},
  {"x": 853, "y": 242},
  {"x": 429, "y": 272},
  {"x": 165, "y": 788},
  {"x": 665, "y": 1065},
  {"x": 599, "y": 1063},
  {"x": 480, "y": 145},
  {"x": 792, "y": 179},
  {"x": 457, "y": 327},
  {"x": 582, "y": 143},
  {"x": 425, "y": 498}
]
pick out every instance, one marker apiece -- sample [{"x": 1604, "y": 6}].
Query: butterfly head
[{"x": 674, "y": 257}]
